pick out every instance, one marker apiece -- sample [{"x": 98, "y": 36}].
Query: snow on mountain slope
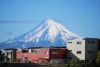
[
  {"x": 49, "y": 33},
  {"x": 48, "y": 30}
]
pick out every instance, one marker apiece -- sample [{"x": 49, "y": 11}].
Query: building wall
[
  {"x": 43, "y": 53},
  {"x": 91, "y": 48},
  {"x": 73, "y": 47},
  {"x": 39, "y": 55},
  {"x": 8, "y": 54},
  {"x": 58, "y": 53},
  {"x": 99, "y": 44},
  {"x": 34, "y": 56},
  {"x": 11, "y": 54},
  {"x": 88, "y": 48},
  {"x": 23, "y": 55}
]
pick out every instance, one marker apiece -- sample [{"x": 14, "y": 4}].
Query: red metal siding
[
  {"x": 43, "y": 54},
  {"x": 61, "y": 54}
]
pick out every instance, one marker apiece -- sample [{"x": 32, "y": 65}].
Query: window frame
[
  {"x": 69, "y": 57},
  {"x": 69, "y": 50},
  {"x": 79, "y": 42},
  {"x": 91, "y": 42},
  {"x": 46, "y": 52},
  {"x": 33, "y": 50},
  {"x": 79, "y": 52},
  {"x": 54, "y": 52},
  {"x": 69, "y": 42},
  {"x": 90, "y": 52}
]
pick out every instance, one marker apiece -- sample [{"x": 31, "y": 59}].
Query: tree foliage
[
  {"x": 1, "y": 56},
  {"x": 98, "y": 57}
]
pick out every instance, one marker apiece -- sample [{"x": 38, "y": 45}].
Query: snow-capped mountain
[{"x": 47, "y": 34}]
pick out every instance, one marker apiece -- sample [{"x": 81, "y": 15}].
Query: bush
[{"x": 18, "y": 60}]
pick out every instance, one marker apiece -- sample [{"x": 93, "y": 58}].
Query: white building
[
  {"x": 82, "y": 49},
  {"x": 10, "y": 55}
]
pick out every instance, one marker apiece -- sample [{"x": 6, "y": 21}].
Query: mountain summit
[{"x": 47, "y": 34}]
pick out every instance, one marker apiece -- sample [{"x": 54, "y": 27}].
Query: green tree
[
  {"x": 1, "y": 56},
  {"x": 74, "y": 63},
  {"x": 98, "y": 57},
  {"x": 7, "y": 58}
]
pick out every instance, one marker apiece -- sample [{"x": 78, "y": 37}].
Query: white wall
[
  {"x": 9, "y": 55},
  {"x": 29, "y": 50},
  {"x": 84, "y": 48},
  {"x": 76, "y": 47}
]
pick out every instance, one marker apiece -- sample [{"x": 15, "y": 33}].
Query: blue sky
[{"x": 17, "y": 17}]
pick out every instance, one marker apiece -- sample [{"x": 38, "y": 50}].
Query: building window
[
  {"x": 33, "y": 50},
  {"x": 79, "y": 42},
  {"x": 69, "y": 50},
  {"x": 82, "y": 60},
  {"x": 91, "y": 42},
  {"x": 8, "y": 53},
  {"x": 78, "y": 52},
  {"x": 39, "y": 52},
  {"x": 24, "y": 51},
  {"x": 25, "y": 57},
  {"x": 54, "y": 52},
  {"x": 69, "y": 57},
  {"x": 46, "y": 52},
  {"x": 35, "y": 61},
  {"x": 69, "y": 42},
  {"x": 90, "y": 51}
]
